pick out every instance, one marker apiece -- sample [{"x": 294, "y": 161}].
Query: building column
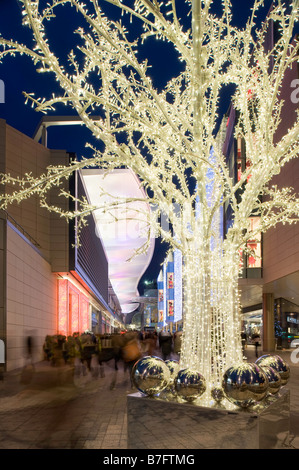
[{"x": 268, "y": 323}]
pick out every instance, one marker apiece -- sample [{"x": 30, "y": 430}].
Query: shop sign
[
  {"x": 169, "y": 280},
  {"x": 292, "y": 320},
  {"x": 170, "y": 308},
  {"x": 161, "y": 316}
]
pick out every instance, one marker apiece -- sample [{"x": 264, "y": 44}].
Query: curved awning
[{"x": 123, "y": 228}]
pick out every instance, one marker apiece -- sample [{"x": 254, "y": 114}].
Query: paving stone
[{"x": 90, "y": 416}]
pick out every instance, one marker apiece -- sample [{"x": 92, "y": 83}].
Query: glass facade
[
  {"x": 286, "y": 318},
  {"x": 252, "y": 324}
]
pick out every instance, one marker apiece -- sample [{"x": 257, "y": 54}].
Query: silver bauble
[
  {"x": 217, "y": 394},
  {"x": 273, "y": 378},
  {"x": 174, "y": 367},
  {"x": 189, "y": 384},
  {"x": 245, "y": 384},
  {"x": 150, "y": 375},
  {"x": 277, "y": 363}
]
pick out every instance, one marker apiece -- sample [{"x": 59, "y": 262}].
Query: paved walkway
[{"x": 58, "y": 411}]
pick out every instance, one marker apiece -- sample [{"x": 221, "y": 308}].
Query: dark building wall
[
  {"x": 281, "y": 244},
  {"x": 89, "y": 259},
  {"x": 19, "y": 154}
]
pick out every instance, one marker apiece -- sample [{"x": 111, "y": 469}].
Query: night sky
[{"x": 19, "y": 75}]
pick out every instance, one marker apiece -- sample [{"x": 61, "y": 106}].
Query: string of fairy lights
[{"x": 175, "y": 128}]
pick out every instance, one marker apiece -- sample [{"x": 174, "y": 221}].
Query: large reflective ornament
[
  {"x": 245, "y": 384},
  {"x": 150, "y": 375},
  {"x": 277, "y": 363},
  {"x": 189, "y": 384},
  {"x": 273, "y": 378}
]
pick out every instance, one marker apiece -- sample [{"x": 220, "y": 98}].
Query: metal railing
[{"x": 21, "y": 229}]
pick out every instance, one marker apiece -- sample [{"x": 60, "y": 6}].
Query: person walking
[
  {"x": 165, "y": 340},
  {"x": 131, "y": 352},
  {"x": 256, "y": 339},
  {"x": 177, "y": 342}
]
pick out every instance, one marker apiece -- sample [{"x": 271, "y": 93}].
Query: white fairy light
[{"x": 176, "y": 128}]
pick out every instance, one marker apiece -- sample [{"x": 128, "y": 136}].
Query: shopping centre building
[
  {"x": 48, "y": 283},
  {"x": 269, "y": 283}
]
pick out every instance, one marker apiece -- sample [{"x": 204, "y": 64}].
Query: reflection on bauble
[
  {"x": 273, "y": 378},
  {"x": 150, "y": 375},
  {"x": 245, "y": 384},
  {"x": 277, "y": 363},
  {"x": 174, "y": 367},
  {"x": 189, "y": 384}
]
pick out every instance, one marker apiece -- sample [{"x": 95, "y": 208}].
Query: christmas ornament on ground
[
  {"x": 189, "y": 384},
  {"x": 273, "y": 378},
  {"x": 150, "y": 375},
  {"x": 278, "y": 364},
  {"x": 245, "y": 384},
  {"x": 217, "y": 394}
]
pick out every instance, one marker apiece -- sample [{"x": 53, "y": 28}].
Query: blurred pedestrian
[
  {"x": 131, "y": 352},
  {"x": 177, "y": 342},
  {"x": 88, "y": 349},
  {"x": 150, "y": 342},
  {"x": 117, "y": 342},
  {"x": 47, "y": 347},
  {"x": 256, "y": 339},
  {"x": 29, "y": 368},
  {"x": 165, "y": 341},
  {"x": 29, "y": 346},
  {"x": 244, "y": 340}
]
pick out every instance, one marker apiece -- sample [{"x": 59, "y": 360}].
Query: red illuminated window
[{"x": 73, "y": 309}]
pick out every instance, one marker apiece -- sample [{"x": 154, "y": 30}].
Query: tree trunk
[{"x": 211, "y": 339}]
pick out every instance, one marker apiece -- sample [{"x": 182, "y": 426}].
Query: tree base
[{"x": 154, "y": 423}]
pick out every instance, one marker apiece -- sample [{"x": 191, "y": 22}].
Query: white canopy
[{"x": 123, "y": 228}]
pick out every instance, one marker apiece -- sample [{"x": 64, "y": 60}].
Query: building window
[{"x": 73, "y": 309}]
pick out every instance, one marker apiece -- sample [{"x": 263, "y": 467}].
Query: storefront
[
  {"x": 286, "y": 323},
  {"x": 73, "y": 308},
  {"x": 252, "y": 324},
  {"x": 78, "y": 310}
]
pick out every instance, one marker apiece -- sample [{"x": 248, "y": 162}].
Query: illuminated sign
[
  {"x": 292, "y": 320},
  {"x": 160, "y": 315},
  {"x": 170, "y": 308},
  {"x": 169, "y": 280}
]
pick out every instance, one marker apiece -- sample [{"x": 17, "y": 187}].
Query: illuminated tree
[{"x": 168, "y": 138}]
